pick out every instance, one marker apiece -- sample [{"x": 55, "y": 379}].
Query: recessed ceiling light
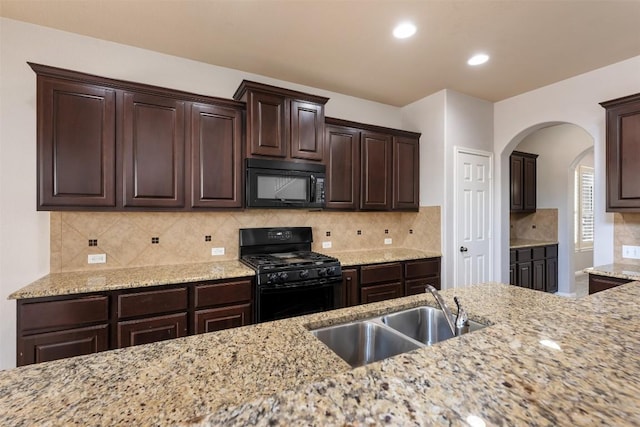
[
  {"x": 404, "y": 30},
  {"x": 478, "y": 59}
]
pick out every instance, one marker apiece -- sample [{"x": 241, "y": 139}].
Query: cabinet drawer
[
  {"x": 552, "y": 251},
  {"x": 538, "y": 252},
  {"x": 222, "y": 293},
  {"x": 62, "y": 344},
  {"x": 380, "y": 273},
  {"x": 523, "y": 254},
  {"x": 602, "y": 283},
  {"x": 57, "y": 315},
  {"x": 417, "y": 286},
  {"x": 423, "y": 268},
  {"x": 145, "y": 331},
  {"x": 380, "y": 292},
  {"x": 152, "y": 302}
]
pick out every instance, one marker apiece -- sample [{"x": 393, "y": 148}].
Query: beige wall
[
  {"x": 540, "y": 225},
  {"x": 626, "y": 232},
  {"x": 126, "y": 237}
]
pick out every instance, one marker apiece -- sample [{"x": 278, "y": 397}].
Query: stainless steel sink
[
  {"x": 371, "y": 340},
  {"x": 424, "y": 324},
  {"x": 364, "y": 342}
]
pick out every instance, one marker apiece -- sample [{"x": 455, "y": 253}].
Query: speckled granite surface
[
  {"x": 278, "y": 374},
  {"x": 526, "y": 243},
  {"x": 375, "y": 256},
  {"x": 620, "y": 271},
  {"x": 105, "y": 280}
]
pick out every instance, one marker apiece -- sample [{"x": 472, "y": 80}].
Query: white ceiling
[{"x": 347, "y": 47}]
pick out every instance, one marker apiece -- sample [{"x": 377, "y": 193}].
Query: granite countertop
[
  {"x": 620, "y": 271},
  {"x": 376, "y": 256},
  {"x": 526, "y": 243},
  {"x": 80, "y": 282},
  {"x": 277, "y": 373}
]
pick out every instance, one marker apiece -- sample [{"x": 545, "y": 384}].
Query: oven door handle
[{"x": 298, "y": 285}]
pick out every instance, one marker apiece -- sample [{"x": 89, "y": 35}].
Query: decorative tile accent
[{"x": 124, "y": 237}]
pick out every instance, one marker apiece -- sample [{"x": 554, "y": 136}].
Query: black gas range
[{"x": 291, "y": 280}]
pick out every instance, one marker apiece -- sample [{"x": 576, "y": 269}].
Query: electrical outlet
[
  {"x": 97, "y": 258},
  {"x": 326, "y": 245},
  {"x": 217, "y": 251},
  {"x": 630, "y": 251},
  {"x": 388, "y": 241}
]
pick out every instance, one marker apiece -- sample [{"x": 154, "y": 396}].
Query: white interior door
[{"x": 472, "y": 211}]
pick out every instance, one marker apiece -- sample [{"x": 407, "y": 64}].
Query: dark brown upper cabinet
[
  {"x": 282, "y": 123},
  {"x": 623, "y": 153},
  {"x": 371, "y": 167},
  {"x": 76, "y": 138},
  {"x": 153, "y": 160},
  {"x": 523, "y": 175},
  {"x": 216, "y": 156},
  {"x": 107, "y": 144}
]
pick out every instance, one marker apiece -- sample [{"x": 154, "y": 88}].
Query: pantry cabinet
[
  {"x": 623, "y": 153},
  {"x": 371, "y": 167},
  {"x": 106, "y": 144}
]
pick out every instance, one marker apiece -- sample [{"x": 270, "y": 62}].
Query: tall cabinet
[{"x": 522, "y": 171}]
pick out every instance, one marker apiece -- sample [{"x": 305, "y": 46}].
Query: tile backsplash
[
  {"x": 135, "y": 239},
  {"x": 540, "y": 225},
  {"x": 626, "y": 231}
]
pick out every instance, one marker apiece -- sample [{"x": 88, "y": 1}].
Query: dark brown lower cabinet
[
  {"x": 599, "y": 283},
  {"x": 535, "y": 268},
  {"x": 60, "y": 327},
  {"x": 420, "y": 273},
  {"x": 216, "y": 319},
  {"x": 350, "y": 286},
  {"x": 148, "y": 330},
  {"x": 62, "y": 344}
]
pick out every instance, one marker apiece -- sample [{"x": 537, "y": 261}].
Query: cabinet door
[
  {"x": 216, "y": 319},
  {"x": 551, "y": 284},
  {"x": 525, "y": 275},
  {"x": 529, "y": 183},
  {"x": 538, "y": 274},
  {"x": 266, "y": 124},
  {"x": 517, "y": 188},
  {"x": 351, "y": 295},
  {"x": 406, "y": 173},
  {"x": 377, "y": 293},
  {"x": 153, "y": 158},
  {"x": 623, "y": 156},
  {"x": 343, "y": 172},
  {"x": 216, "y": 156},
  {"x": 76, "y": 145},
  {"x": 148, "y": 330},
  {"x": 307, "y": 130},
  {"x": 512, "y": 274},
  {"x": 376, "y": 171},
  {"x": 601, "y": 283},
  {"x": 62, "y": 344}
]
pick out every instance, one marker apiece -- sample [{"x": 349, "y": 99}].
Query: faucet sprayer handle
[{"x": 462, "y": 320}]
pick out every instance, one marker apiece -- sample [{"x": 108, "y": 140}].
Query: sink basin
[
  {"x": 364, "y": 342},
  {"x": 427, "y": 325}
]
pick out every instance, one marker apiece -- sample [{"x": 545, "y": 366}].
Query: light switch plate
[
  {"x": 632, "y": 252},
  {"x": 388, "y": 241},
  {"x": 326, "y": 245},
  {"x": 217, "y": 251},
  {"x": 97, "y": 258}
]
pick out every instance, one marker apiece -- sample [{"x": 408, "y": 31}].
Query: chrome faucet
[{"x": 461, "y": 324}]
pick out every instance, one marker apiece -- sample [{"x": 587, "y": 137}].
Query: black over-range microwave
[{"x": 283, "y": 184}]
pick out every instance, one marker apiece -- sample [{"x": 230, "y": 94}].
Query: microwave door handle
[{"x": 312, "y": 189}]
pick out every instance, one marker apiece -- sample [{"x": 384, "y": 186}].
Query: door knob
[{"x": 463, "y": 249}]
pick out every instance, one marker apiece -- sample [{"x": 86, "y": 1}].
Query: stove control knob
[
  {"x": 322, "y": 272},
  {"x": 304, "y": 274},
  {"x": 331, "y": 271},
  {"x": 282, "y": 277},
  {"x": 271, "y": 277}
]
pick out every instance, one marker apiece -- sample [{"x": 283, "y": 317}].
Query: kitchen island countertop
[
  {"x": 546, "y": 360},
  {"x": 619, "y": 271}
]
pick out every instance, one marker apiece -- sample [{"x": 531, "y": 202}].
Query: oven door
[{"x": 280, "y": 302}]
